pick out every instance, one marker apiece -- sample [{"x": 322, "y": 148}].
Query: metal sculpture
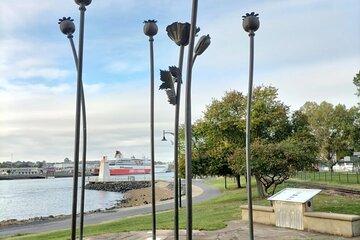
[
  {"x": 250, "y": 24},
  {"x": 180, "y": 34},
  {"x": 68, "y": 28},
  {"x": 150, "y": 30}
]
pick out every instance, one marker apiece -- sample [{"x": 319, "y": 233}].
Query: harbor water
[{"x": 29, "y": 198}]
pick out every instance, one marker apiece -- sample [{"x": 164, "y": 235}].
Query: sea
[{"x": 29, "y": 198}]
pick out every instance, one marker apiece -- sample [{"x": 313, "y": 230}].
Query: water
[{"x": 28, "y": 198}]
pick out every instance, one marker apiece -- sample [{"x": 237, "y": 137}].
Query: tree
[
  {"x": 223, "y": 127},
  {"x": 273, "y": 163},
  {"x": 356, "y": 81},
  {"x": 333, "y": 128},
  {"x": 219, "y": 139},
  {"x": 208, "y": 159}
]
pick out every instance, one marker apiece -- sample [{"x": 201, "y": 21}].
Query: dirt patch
[{"x": 142, "y": 196}]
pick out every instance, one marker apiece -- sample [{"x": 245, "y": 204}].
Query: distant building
[
  {"x": 347, "y": 164},
  {"x": 20, "y": 171}
]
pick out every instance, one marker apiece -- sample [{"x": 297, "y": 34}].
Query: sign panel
[{"x": 299, "y": 195}]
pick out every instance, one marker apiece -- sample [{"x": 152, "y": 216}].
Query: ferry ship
[{"x": 131, "y": 166}]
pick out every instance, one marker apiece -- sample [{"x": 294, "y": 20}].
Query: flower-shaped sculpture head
[
  {"x": 168, "y": 77},
  {"x": 67, "y": 25},
  {"x": 180, "y": 33},
  {"x": 150, "y": 28},
  {"x": 83, "y": 2},
  {"x": 202, "y": 45},
  {"x": 251, "y": 22}
]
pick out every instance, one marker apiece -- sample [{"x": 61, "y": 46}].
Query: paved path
[
  {"x": 96, "y": 218},
  {"x": 235, "y": 230}
]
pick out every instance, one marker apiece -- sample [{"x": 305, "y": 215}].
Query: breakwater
[{"x": 121, "y": 186}]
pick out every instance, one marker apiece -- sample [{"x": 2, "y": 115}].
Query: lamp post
[
  {"x": 150, "y": 30},
  {"x": 177, "y": 181},
  {"x": 164, "y": 137},
  {"x": 250, "y": 23}
]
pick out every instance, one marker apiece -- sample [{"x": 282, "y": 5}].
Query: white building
[{"x": 347, "y": 164}]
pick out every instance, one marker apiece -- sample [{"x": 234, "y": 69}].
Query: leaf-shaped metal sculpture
[
  {"x": 171, "y": 96},
  {"x": 168, "y": 84},
  {"x": 175, "y": 72},
  {"x": 166, "y": 78}
]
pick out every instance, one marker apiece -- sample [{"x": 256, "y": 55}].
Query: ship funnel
[{"x": 118, "y": 155}]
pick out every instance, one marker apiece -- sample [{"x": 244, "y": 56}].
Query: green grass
[
  {"x": 210, "y": 215},
  {"x": 332, "y": 203}
]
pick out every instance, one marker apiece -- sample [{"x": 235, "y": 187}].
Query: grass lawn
[
  {"x": 342, "y": 179},
  {"x": 209, "y": 215}
]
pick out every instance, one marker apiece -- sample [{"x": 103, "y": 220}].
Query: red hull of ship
[{"x": 125, "y": 171}]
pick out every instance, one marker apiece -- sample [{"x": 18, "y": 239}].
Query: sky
[{"x": 308, "y": 49}]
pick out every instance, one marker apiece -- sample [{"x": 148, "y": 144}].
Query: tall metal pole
[
  {"x": 248, "y": 151},
  {"x": 180, "y": 193},
  {"x": 153, "y": 204},
  {"x": 188, "y": 130},
  {"x": 77, "y": 122},
  {"x": 250, "y": 24},
  {"x": 176, "y": 147},
  {"x": 84, "y": 125},
  {"x": 83, "y": 174},
  {"x": 150, "y": 30}
]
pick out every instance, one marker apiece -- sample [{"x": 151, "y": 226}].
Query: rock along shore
[{"x": 121, "y": 186}]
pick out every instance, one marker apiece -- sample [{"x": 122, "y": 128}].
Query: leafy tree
[
  {"x": 219, "y": 139},
  {"x": 356, "y": 81},
  {"x": 355, "y": 133},
  {"x": 207, "y": 159},
  {"x": 273, "y": 163},
  {"x": 333, "y": 128}
]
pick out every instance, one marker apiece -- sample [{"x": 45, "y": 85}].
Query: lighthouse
[{"x": 104, "y": 171}]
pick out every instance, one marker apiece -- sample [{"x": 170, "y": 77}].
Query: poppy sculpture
[
  {"x": 250, "y": 24},
  {"x": 150, "y": 30}
]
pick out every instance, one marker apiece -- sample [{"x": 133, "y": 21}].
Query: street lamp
[
  {"x": 150, "y": 30},
  {"x": 177, "y": 182},
  {"x": 67, "y": 27},
  {"x": 250, "y": 23},
  {"x": 164, "y": 139}
]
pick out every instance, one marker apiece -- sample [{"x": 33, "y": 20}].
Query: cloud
[
  {"x": 122, "y": 66},
  {"x": 304, "y": 58}
]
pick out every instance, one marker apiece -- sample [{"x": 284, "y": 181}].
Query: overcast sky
[{"x": 309, "y": 50}]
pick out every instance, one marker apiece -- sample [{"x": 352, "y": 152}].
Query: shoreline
[{"x": 131, "y": 198}]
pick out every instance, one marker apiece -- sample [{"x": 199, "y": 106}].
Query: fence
[{"x": 337, "y": 177}]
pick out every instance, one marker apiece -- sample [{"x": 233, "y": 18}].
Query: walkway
[
  {"x": 235, "y": 230},
  {"x": 204, "y": 192}
]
